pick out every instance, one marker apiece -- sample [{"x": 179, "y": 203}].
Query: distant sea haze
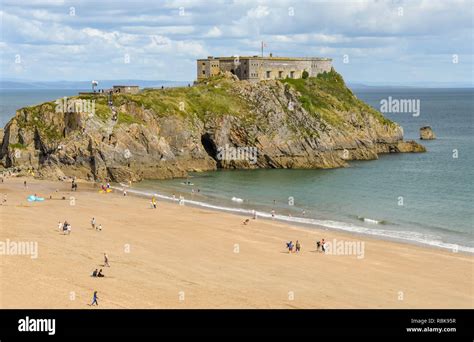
[{"x": 423, "y": 198}]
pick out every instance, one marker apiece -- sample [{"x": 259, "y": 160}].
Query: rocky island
[{"x": 315, "y": 122}]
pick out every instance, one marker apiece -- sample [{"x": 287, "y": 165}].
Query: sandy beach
[{"x": 185, "y": 257}]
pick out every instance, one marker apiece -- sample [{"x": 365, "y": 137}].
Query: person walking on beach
[
  {"x": 59, "y": 225},
  {"x": 24, "y": 184},
  {"x": 323, "y": 247},
  {"x": 298, "y": 246},
  {"x": 93, "y": 223},
  {"x": 289, "y": 245},
  {"x": 273, "y": 214},
  {"x": 153, "y": 202},
  {"x": 106, "y": 260},
  {"x": 94, "y": 299}
]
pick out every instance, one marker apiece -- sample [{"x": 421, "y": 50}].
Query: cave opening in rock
[{"x": 210, "y": 147}]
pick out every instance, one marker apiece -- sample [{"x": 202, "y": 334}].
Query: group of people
[
  {"x": 296, "y": 248},
  {"x": 98, "y": 274},
  {"x": 293, "y": 248},
  {"x": 97, "y": 227},
  {"x": 64, "y": 227},
  {"x": 105, "y": 187},
  {"x": 321, "y": 246}
]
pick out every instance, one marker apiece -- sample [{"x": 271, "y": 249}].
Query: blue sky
[{"x": 373, "y": 42}]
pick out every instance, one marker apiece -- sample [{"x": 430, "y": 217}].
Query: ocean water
[
  {"x": 424, "y": 198},
  {"x": 13, "y": 99}
]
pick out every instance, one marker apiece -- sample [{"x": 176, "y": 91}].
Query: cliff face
[{"x": 313, "y": 123}]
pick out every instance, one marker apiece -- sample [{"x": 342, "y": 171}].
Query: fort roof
[{"x": 274, "y": 58}]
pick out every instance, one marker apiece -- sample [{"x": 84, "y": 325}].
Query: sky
[{"x": 370, "y": 42}]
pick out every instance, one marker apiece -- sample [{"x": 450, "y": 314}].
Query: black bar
[{"x": 318, "y": 323}]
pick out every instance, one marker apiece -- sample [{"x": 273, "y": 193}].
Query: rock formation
[
  {"x": 426, "y": 133},
  {"x": 156, "y": 134}
]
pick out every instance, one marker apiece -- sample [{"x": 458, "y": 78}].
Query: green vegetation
[
  {"x": 305, "y": 75},
  {"x": 327, "y": 97},
  {"x": 203, "y": 100},
  {"x": 34, "y": 118},
  {"x": 17, "y": 146},
  {"x": 126, "y": 118}
]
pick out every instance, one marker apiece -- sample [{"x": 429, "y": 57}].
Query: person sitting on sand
[
  {"x": 246, "y": 222},
  {"x": 65, "y": 227},
  {"x": 318, "y": 246},
  {"x": 94, "y": 274},
  {"x": 298, "y": 246},
  {"x": 100, "y": 275},
  {"x": 99, "y": 227}
]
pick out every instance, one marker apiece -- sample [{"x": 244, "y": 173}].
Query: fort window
[
  {"x": 280, "y": 74},
  {"x": 204, "y": 72},
  {"x": 292, "y": 74},
  {"x": 269, "y": 74}
]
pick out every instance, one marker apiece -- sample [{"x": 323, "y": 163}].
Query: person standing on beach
[
  {"x": 106, "y": 260},
  {"x": 93, "y": 223},
  {"x": 298, "y": 246},
  {"x": 24, "y": 184},
  {"x": 273, "y": 214},
  {"x": 94, "y": 299},
  {"x": 59, "y": 225}
]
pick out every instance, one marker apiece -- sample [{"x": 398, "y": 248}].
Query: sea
[{"x": 418, "y": 198}]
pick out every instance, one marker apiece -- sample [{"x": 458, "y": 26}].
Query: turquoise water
[{"x": 436, "y": 189}]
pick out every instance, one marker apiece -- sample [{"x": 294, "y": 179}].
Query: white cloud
[
  {"x": 214, "y": 32},
  {"x": 98, "y": 36}
]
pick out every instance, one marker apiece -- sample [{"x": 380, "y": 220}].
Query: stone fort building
[{"x": 257, "y": 68}]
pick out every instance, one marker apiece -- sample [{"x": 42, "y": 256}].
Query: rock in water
[
  {"x": 219, "y": 123},
  {"x": 426, "y": 133}
]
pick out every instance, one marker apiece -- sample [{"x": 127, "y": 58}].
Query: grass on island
[{"x": 327, "y": 97}]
